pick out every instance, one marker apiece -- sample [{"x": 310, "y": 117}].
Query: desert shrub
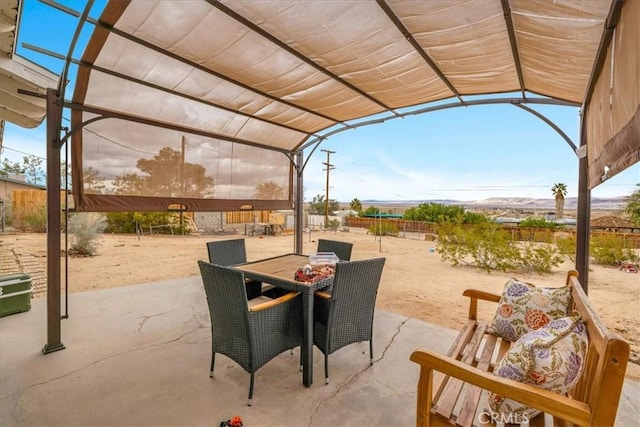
[
  {"x": 385, "y": 228},
  {"x": 85, "y": 229},
  {"x": 540, "y": 258},
  {"x": 333, "y": 224},
  {"x": 567, "y": 246},
  {"x": 37, "y": 221},
  {"x": 486, "y": 244},
  {"x": 451, "y": 243},
  {"x": 6, "y": 210},
  {"x": 490, "y": 247},
  {"x": 608, "y": 249},
  {"x": 125, "y": 222}
]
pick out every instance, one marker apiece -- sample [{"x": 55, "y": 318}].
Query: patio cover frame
[{"x": 606, "y": 93}]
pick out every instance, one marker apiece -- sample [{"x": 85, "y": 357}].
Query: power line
[{"x": 4, "y": 147}]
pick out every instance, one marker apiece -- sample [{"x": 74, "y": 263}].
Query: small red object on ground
[
  {"x": 233, "y": 422},
  {"x": 628, "y": 267}
]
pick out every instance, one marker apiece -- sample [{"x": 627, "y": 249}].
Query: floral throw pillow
[
  {"x": 551, "y": 357},
  {"x": 524, "y": 307}
]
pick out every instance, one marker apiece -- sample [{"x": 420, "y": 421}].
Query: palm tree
[
  {"x": 269, "y": 190},
  {"x": 356, "y": 205},
  {"x": 633, "y": 206},
  {"x": 559, "y": 190}
]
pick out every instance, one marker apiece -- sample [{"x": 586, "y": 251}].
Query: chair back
[
  {"x": 353, "y": 300},
  {"x": 227, "y": 300},
  {"x": 227, "y": 252},
  {"x": 341, "y": 249}
]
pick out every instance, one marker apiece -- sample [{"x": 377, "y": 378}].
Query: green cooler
[{"x": 15, "y": 293}]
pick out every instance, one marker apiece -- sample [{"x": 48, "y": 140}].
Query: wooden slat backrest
[{"x": 601, "y": 382}]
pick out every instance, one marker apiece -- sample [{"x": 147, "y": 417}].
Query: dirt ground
[{"x": 415, "y": 281}]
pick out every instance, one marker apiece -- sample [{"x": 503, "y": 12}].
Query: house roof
[
  {"x": 22, "y": 182},
  {"x": 612, "y": 221},
  {"x": 17, "y": 73}
]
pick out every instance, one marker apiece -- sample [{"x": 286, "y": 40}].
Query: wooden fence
[
  {"x": 244, "y": 217},
  {"x": 542, "y": 235},
  {"x": 29, "y": 203}
]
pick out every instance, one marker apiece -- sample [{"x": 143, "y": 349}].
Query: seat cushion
[
  {"x": 258, "y": 300},
  {"x": 524, "y": 307},
  {"x": 551, "y": 357}
]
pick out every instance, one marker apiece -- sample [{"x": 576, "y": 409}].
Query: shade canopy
[{"x": 204, "y": 104}]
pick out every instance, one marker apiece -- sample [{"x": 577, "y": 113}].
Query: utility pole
[
  {"x": 326, "y": 193},
  {"x": 184, "y": 143}
]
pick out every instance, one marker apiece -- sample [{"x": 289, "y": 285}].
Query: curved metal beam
[
  {"x": 488, "y": 101},
  {"x": 550, "y": 123}
]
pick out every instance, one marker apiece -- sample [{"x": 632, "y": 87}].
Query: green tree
[
  {"x": 31, "y": 167},
  {"x": 437, "y": 212},
  {"x": 317, "y": 206},
  {"x": 559, "y": 190},
  {"x": 166, "y": 175},
  {"x": 269, "y": 190},
  {"x": 9, "y": 168},
  {"x": 633, "y": 206},
  {"x": 356, "y": 205},
  {"x": 371, "y": 210}
]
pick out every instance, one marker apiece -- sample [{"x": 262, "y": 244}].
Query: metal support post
[
  {"x": 582, "y": 226},
  {"x": 298, "y": 204},
  {"x": 54, "y": 119}
]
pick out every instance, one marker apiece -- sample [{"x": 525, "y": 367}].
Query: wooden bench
[{"x": 452, "y": 388}]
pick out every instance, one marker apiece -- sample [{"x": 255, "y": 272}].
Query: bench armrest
[
  {"x": 551, "y": 403},
  {"x": 476, "y": 295}
]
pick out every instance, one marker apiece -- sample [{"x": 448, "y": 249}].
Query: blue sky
[{"x": 470, "y": 153}]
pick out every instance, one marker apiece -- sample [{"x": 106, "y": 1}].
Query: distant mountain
[{"x": 570, "y": 203}]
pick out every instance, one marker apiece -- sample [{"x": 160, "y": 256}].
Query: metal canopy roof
[
  {"x": 279, "y": 74},
  {"x": 232, "y": 91}
]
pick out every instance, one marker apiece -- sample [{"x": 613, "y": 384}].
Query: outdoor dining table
[{"x": 280, "y": 271}]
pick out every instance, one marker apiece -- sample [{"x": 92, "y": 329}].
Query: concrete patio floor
[{"x": 139, "y": 356}]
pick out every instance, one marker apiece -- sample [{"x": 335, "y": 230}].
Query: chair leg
[
  {"x": 251, "y": 390},
  {"x": 371, "y": 351},
  {"x": 213, "y": 361},
  {"x": 301, "y": 361},
  {"x": 326, "y": 369}
]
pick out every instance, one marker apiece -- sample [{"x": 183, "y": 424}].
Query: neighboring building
[
  {"x": 613, "y": 223},
  {"x": 14, "y": 215},
  {"x": 16, "y": 182}
]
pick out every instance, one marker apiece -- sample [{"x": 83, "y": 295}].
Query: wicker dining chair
[
  {"x": 341, "y": 249},
  {"x": 345, "y": 315},
  {"x": 251, "y": 335},
  {"x": 233, "y": 252}
]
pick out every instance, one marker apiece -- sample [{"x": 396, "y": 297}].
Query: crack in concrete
[
  {"x": 349, "y": 380},
  {"x": 19, "y": 393},
  {"x": 195, "y": 314}
]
